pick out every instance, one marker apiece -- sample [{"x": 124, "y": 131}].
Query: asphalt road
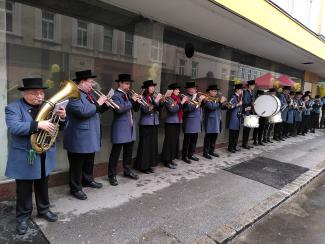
[{"x": 300, "y": 220}]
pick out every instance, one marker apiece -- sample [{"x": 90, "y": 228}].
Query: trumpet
[
  {"x": 142, "y": 101},
  {"x": 209, "y": 97},
  {"x": 108, "y": 103}
]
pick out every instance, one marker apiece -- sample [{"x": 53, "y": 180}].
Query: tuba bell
[{"x": 42, "y": 140}]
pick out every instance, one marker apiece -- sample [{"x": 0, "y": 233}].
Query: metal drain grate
[{"x": 268, "y": 171}]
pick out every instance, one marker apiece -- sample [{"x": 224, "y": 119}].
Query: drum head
[{"x": 266, "y": 105}]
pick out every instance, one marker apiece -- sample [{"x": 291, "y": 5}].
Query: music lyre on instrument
[{"x": 107, "y": 102}]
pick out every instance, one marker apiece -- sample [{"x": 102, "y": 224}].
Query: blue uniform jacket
[
  {"x": 212, "y": 117},
  {"x": 172, "y": 113},
  {"x": 235, "y": 113},
  {"x": 82, "y": 133},
  {"x": 309, "y": 106},
  {"x": 298, "y": 112},
  {"x": 19, "y": 120},
  {"x": 150, "y": 117},
  {"x": 248, "y": 98},
  {"x": 284, "y": 104},
  {"x": 123, "y": 125},
  {"x": 192, "y": 118}
]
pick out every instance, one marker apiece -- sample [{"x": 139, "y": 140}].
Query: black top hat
[
  {"x": 212, "y": 87},
  {"x": 298, "y": 93},
  {"x": 83, "y": 75},
  {"x": 32, "y": 83},
  {"x": 272, "y": 90},
  {"x": 292, "y": 93},
  {"x": 148, "y": 83},
  {"x": 259, "y": 92},
  {"x": 307, "y": 92},
  {"x": 174, "y": 86},
  {"x": 286, "y": 87},
  {"x": 251, "y": 82},
  {"x": 317, "y": 96},
  {"x": 238, "y": 86},
  {"x": 190, "y": 84},
  {"x": 124, "y": 77}
]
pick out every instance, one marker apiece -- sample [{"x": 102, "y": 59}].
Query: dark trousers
[
  {"x": 209, "y": 142},
  {"x": 246, "y": 132},
  {"x": 258, "y": 132},
  {"x": 278, "y": 128},
  {"x": 189, "y": 144},
  {"x": 305, "y": 124},
  {"x": 314, "y": 121},
  {"x": 81, "y": 169},
  {"x": 297, "y": 127},
  {"x": 115, "y": 154},
  {"x": 170, "y": 148},
  {"x": 24, "y": 195},
  {"x": 233, "y": 139},
  {"x": 267, "y": 131}
]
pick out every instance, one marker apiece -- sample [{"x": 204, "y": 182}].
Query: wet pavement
[
  {"x": 300, "y": 220},
  {"x": 174, "y": 206}
]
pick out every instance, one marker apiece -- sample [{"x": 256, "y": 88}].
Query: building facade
[{"x": 53, "y": 39}]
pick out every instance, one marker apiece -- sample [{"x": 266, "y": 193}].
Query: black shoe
[
  {"x": 93, "y": 184},
  {"x": 303, "y": 134},
  {"x": 281, "y": 139},
  {"x": 22, "y": 227},
  {"x": 79, "y": 195},
  {"x": 255, "y": 143},
  {"x": 214, "y": 154},
  {"x": 49, "y": 216},
  {"x": 269, "y": 141},
  {"x": 170, "y": 165},
  {"x": 146, "y": 171},
  {"x": 207, "y": 156},
  {"x": 231, "y": 150},
  {"x": 265, "y": 141},
  {"x": 186, "y": 160},
  {"x": 246, "y": 147},
  {"x": 112, "y": 180},
  {"x": 151, "y": 170},
  {"x": 237, "y": 149},
  {"x": 173, "y": 163},
  {"x": 261, "y": 143},
  {"x": 131, "y": 175},
  {"x": 193, "y": 158}
]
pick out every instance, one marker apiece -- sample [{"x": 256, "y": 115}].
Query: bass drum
[
  {"x": 251, "y": 121},
  {"x": 267, "y": 105},
  {"x": 275, "y": 118}
]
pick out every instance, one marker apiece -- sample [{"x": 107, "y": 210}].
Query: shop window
[
  {"x": 232, "y": 74},
  {"x": 156, "y": 50},
  {"x": 224, "y": 73},
  {"x": 195, "y": 69},
  {"x": 47, "y": 25},
  {"x": 108, "y": 39},
  {"x": 82, "y": 34},
  {"x": 181, "y": 67},
  {"x": 128, "y": 44},
  {"x": 9, "y": 16}
]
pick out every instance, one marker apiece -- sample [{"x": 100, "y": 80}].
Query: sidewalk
[{"x": 207, "y": 201}]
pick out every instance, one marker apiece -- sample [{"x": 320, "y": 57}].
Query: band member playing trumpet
[
  {"x": 235, "y": 117},
  {"x": 123, "y": 133},
  {"x": 24, "y": 165},
  {"x": 306, "y": 114},
  {"x": 289, "y": 123},
  {"x": 174, "y": 107},
  {"x": 279, "y": 127},
  {"x": 248, "y": 99},
  {"x": 298, "y": 112},
  {"x": 82, "y": 136},
  {"x": 315, "y": 113},
  {"x": 212, "y": 122},
  {"x": 191, "y": 122},
  {"x": 147, "y": 155}
]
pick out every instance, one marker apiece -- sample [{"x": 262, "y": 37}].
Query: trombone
[{"x": 108, "y": 103}]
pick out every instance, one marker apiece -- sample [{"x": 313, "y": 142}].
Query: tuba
[{"x": 42, "y": 140}]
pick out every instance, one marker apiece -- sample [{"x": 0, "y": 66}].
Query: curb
[{"x": 238, "y": 224}]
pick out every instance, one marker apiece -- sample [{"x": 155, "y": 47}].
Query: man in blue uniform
[
  {"x": 191, "y": 124},
  {"x": 298, "y": 112},
  {"x": 315, "y": 113},
  {"x": 123, "y": 133},
  {"x": 24, "y": 165},
  {"x": 279, "y": 127},
  {"x": 248, "y": 100},
  {"x": 82, "y": 136},
  {"x": 212, "y": 123},
  {"x": 235, "y": 117}
]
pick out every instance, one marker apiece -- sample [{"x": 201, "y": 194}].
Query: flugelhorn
[
  {"x": 141, "y": 100},
  {"x": 108, "y": 103}
]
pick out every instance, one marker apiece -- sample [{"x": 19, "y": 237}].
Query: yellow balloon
[
  {"x": 49, "y": 83},
  {"x": 276, "y": 84},
  {"x": 55, "y": 68}
]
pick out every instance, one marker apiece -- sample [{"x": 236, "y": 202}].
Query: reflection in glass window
[
  {"x": 9, "y": 16},
  {"x": 47, "y": 25},
  {"x": 156, "y": 50},
  {"x": 195, "y": 69},
  {"x": 108, "y": 39},
  {"x": 233, "y": 74},
  {"x": 224, "y": 73},
  {"x": 129, "y": 44},
  {"x": 82, "y": 34},
  {"x": 181, "y": 68}
]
